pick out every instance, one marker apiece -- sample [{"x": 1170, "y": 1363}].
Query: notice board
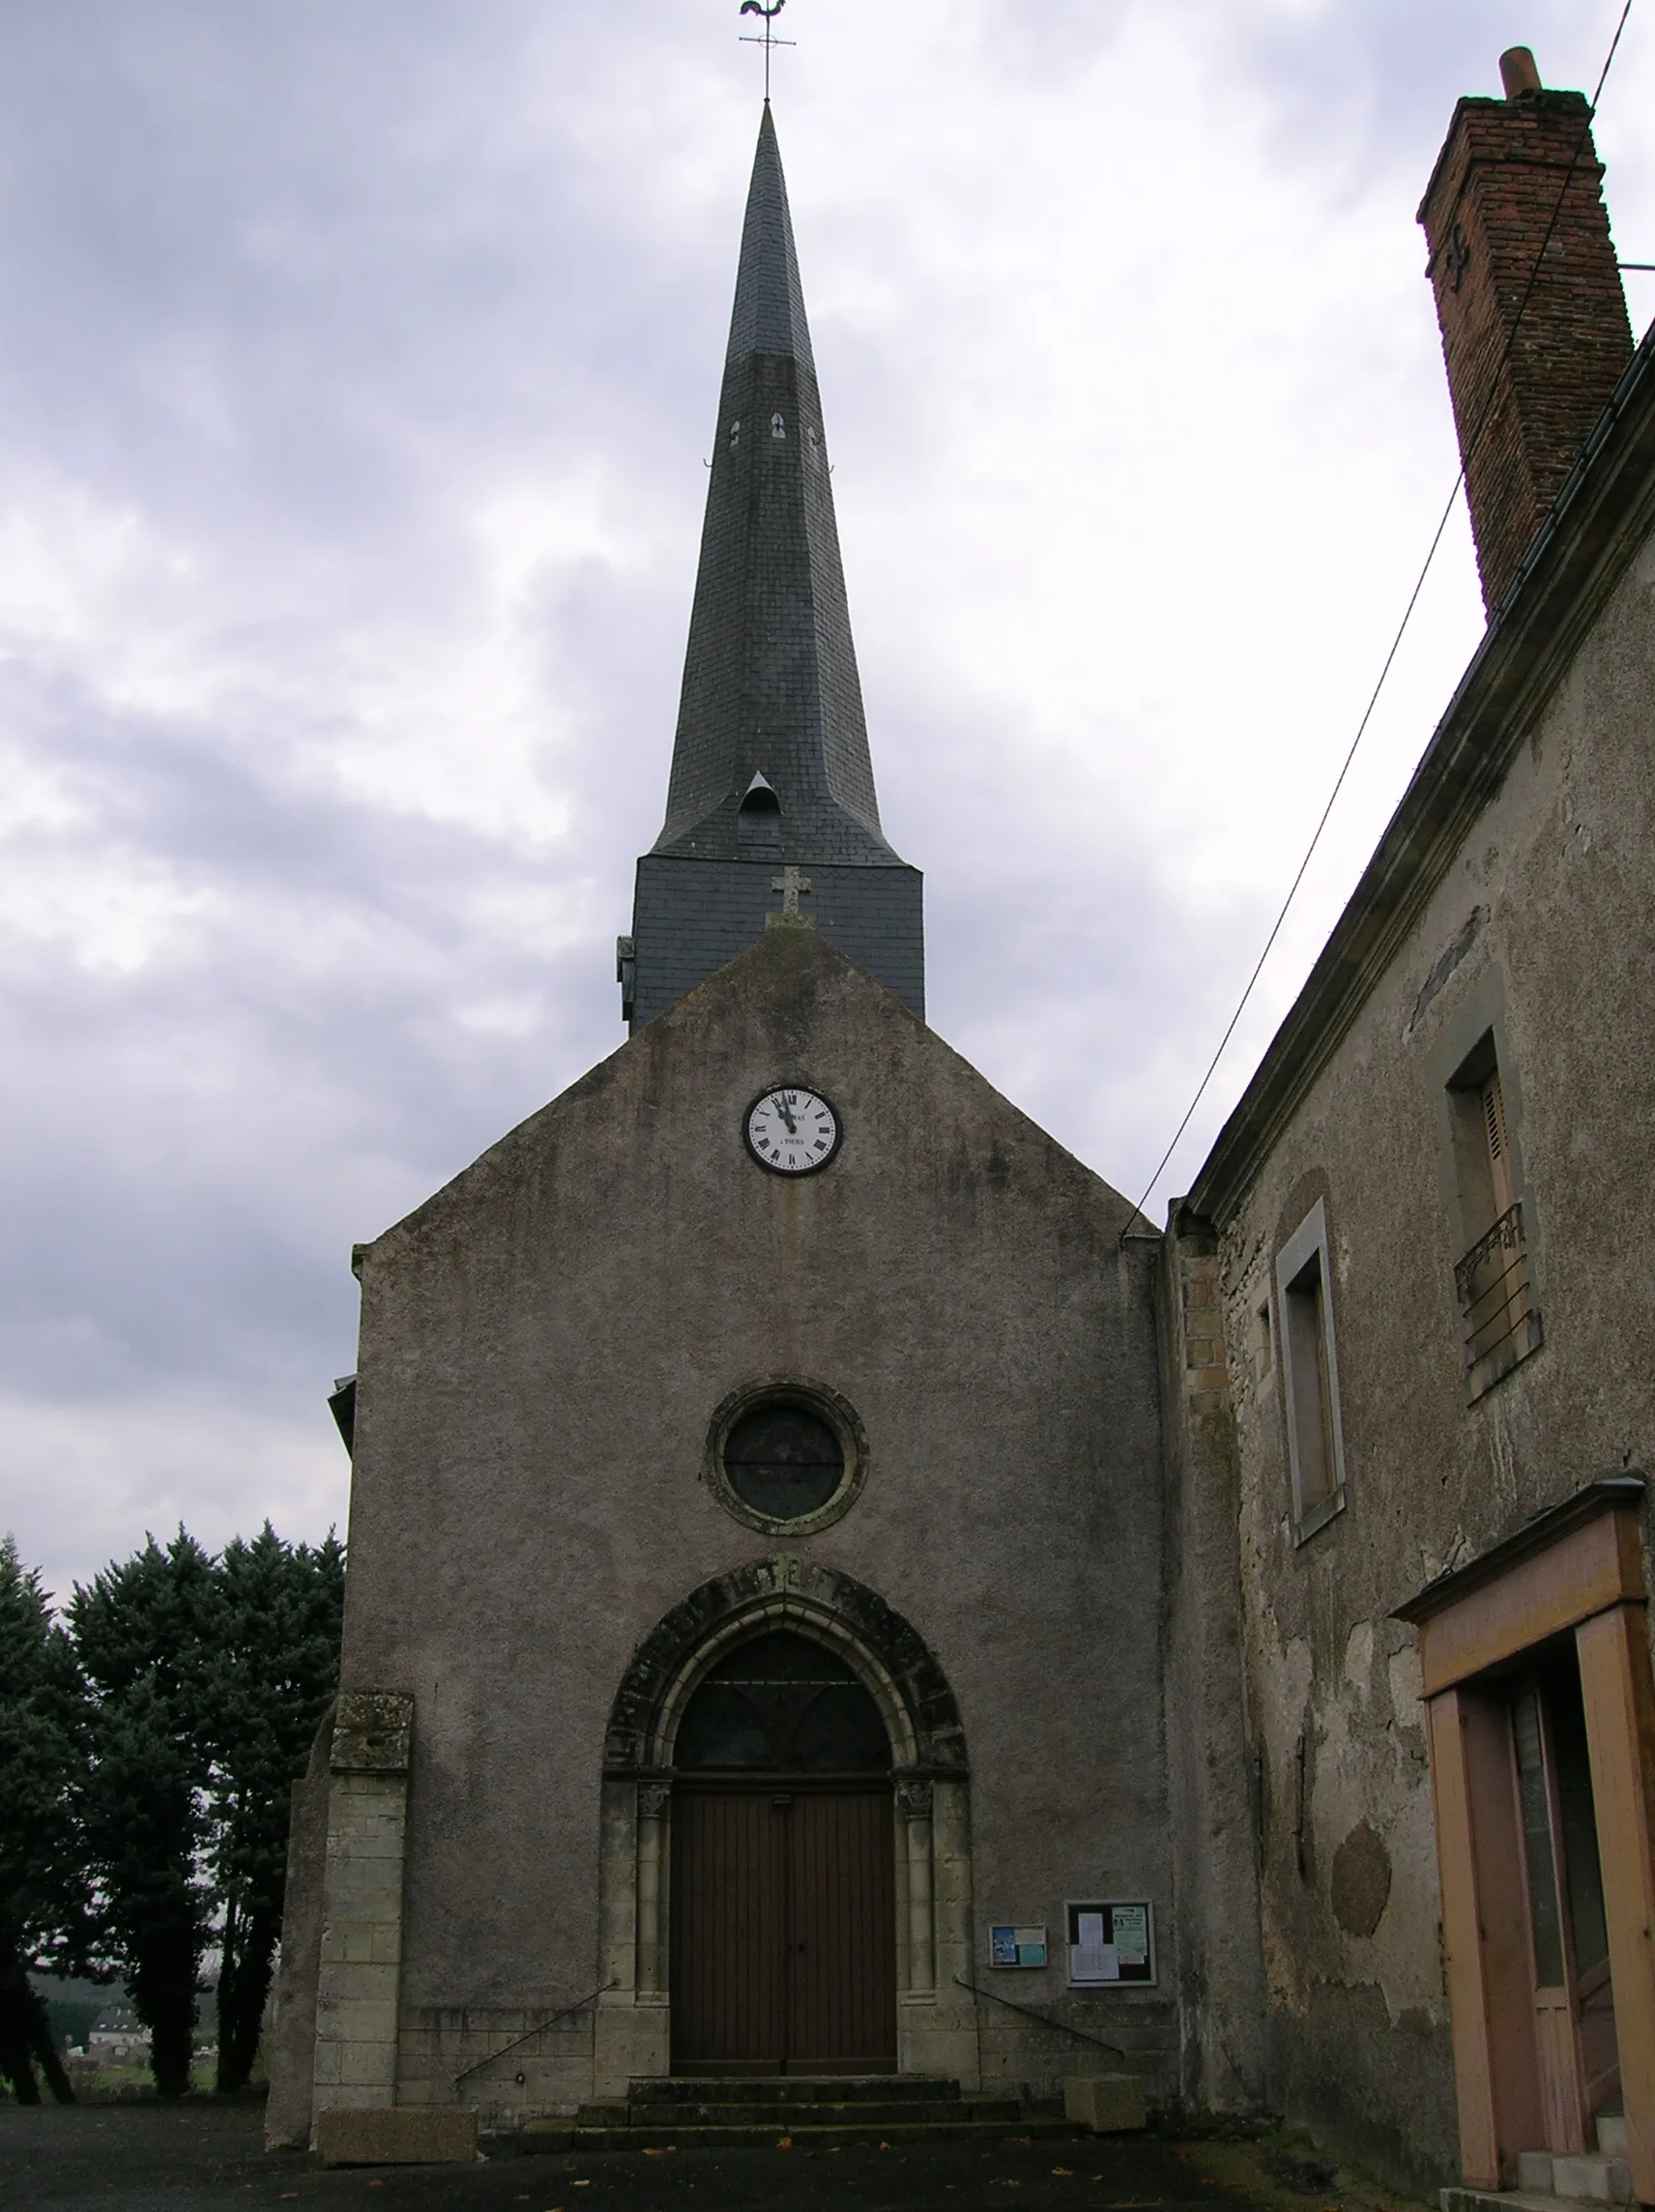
[{"x": 1110, "y": 1943}]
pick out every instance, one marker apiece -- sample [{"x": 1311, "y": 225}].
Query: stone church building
[{"x": 833, "y": 1592}]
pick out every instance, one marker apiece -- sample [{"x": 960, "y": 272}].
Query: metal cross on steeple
[{"x": 769, "y": 42}]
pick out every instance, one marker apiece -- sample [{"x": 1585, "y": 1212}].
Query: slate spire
[
  {"x": 770, "y": 760},
  {"x": 770, "y": 681}
]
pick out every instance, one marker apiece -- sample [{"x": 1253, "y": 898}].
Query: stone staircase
[
  {"x": 1548, "y": 2179},
  {"x": 814, "y": 2111}
]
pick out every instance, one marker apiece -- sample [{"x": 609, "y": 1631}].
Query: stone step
[
  {"x": 864, "y": 2112},
  {"x": 1526, "y": 2197},
  {"x": 1612, "y": 2134},
  {"x": 1458, "y": 2197},
  {"x": 1589, "y": 2178},
  {"x": 787, "y": 2088},
  {"x": 560, "y": 2135}
]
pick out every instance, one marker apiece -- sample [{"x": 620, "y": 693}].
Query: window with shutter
[
  {"x": 1499, "y": 1320},
  {"x": 1310, "y": 1375}
]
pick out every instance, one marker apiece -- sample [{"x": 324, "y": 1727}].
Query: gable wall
[{"x": 542, "y": 1349}]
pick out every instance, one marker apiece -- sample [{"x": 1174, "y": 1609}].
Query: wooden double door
[{"x": 783, "y": 1926}]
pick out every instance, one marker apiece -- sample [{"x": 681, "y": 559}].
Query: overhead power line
[{"x": 1468, "y": 451}]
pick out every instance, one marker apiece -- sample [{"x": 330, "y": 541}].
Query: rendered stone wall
[{"x": 1217, "y": 1957}]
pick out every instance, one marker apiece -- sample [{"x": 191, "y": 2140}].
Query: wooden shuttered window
[{"x": 1492, "y": 1105}]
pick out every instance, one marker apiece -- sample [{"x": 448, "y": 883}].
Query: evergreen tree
[
  {"x": 272, "y": 1667},
  {"x": 43, "y": 1729},
  {"x": 141, "y": 1634}
]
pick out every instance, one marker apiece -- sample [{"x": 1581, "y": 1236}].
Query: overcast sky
[{"x": 358, "y": 367}]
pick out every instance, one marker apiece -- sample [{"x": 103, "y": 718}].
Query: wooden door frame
[{"x": 1575, "y": 1571}]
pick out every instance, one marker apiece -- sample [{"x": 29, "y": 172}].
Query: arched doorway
[
  {"x": 783, "y": 1901},
  {"x": 927, "y": 1777}
]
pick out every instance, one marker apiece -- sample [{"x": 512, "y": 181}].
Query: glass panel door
[{"x": 1573, "y": 2005}]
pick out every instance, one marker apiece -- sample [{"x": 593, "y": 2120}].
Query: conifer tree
[
  {"x": 140, "y": 1633},
  {"x": 43, "y": 1729},
  {"x": 272, "y": 1667}
]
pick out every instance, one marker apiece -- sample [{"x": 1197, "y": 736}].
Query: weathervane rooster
[{"x": 770, "y": 40}]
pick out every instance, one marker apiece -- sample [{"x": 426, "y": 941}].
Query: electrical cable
[{"x": 1468, "y": 452}]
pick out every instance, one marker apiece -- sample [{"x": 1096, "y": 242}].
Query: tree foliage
[
  {"x": 274, "y": 1661},
  {"x": 43, "y": 1898},
  {"x": 204, "y": 1682},
  {"x": 141, "y": 1632}
]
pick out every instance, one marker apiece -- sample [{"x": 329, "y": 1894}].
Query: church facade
[
  {"x": 834, "y": 1591},
  {"x": 756, "y": 1511}
]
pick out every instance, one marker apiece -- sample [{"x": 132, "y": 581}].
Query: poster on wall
[
  {"x": 1110, "y": 1944},
  {"x": 1016, "y": 1946}
]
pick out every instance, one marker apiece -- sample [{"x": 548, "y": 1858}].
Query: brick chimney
[{"x": 1522, "y": 421}]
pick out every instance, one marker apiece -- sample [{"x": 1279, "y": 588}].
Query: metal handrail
[
  {"x": 1495, "y": 1311},
  {"x": 540, "y": 2028},
  {"x": 1084, "y": 2035},
  {"x": 1506, "y": 1233}
]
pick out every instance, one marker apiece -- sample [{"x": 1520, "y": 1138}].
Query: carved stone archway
[{"x": 937, "y": 2023}]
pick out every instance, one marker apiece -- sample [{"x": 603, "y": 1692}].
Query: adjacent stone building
[
  {"x": 1426, "y": 1223},
  {"x": 832, "y": 1590}
]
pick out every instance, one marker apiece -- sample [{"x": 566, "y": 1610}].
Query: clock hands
[{"x": 786, "y": 1112}]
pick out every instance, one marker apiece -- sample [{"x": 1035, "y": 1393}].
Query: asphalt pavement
[{"x": 206, "y": 2157}]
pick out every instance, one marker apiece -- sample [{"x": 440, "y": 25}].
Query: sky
[{"x": 357, "y": 374}]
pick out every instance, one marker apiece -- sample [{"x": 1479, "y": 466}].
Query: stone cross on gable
[{"x": 790, "y": 882}]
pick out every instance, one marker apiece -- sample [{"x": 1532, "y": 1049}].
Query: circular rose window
[{"x": 790, "y": 1457}]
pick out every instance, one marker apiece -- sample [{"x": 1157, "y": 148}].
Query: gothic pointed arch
[{"x": 887, "y": 1651}]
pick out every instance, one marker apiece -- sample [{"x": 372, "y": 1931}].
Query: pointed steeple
[
  {"x": 770, "y": 760},
  {"x": 768, "y": 315},
  {"x": 769, "y": 680}
]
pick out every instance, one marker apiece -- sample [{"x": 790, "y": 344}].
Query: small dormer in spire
[{"x": 770, "y": 760}]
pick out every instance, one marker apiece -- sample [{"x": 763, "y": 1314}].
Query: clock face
[{"x": 791, "y": 1131}]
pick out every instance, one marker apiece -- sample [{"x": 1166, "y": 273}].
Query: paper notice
[
  {"x": 1087, "y": 1963},
  {"x": 1131, "y": 1934},
  {"x": 1089, "y": 1931}
]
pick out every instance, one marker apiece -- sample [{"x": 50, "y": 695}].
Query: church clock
[{"x": 792, "y": 1132}]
